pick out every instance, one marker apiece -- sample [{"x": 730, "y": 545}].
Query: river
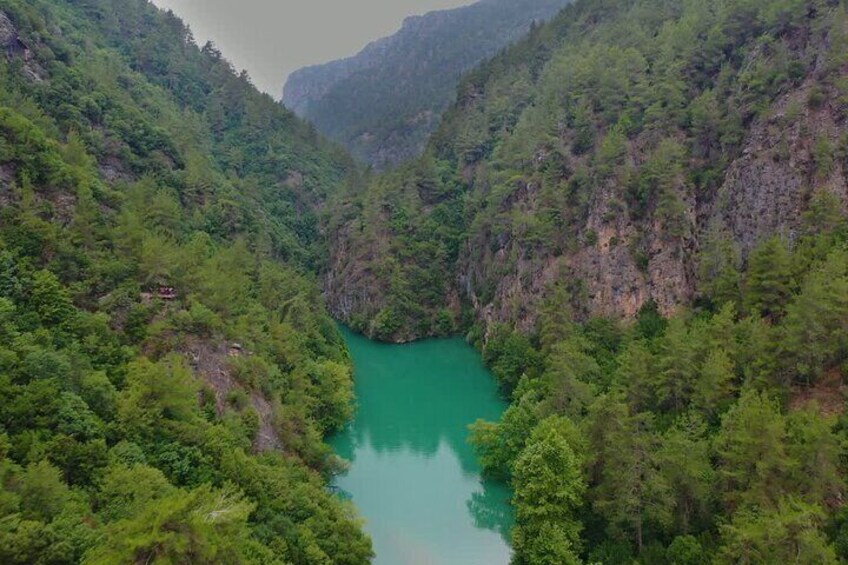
[{"x": 412, "y": 474}]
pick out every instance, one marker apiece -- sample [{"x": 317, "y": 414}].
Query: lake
[{"x": 413, "y": 475}]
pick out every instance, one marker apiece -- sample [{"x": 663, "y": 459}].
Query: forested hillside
[
  {"x": 636, "y": 151},
  {"x": 639, "y": 213},
  {"x": 384, "y": 102},
  {"x": 167, "y": 368}
]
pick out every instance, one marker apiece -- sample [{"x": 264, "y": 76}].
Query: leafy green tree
[
  {"x": 549, "y": 488},
  {"x": 498, "y": 444},
  {"x": 569, "y": 374},
  {"x": 200, "y": 526},
  {"x": 50, "y": 300},
  {"x": 713, "y": 390},
  {"x": 510, "y": 355},
  {"x": 789, "y": 533},
  {"x": 719, "y": 269},
  {"x": 677, "y": 372},
  {"x": 126, "y": 490},
  {"x": 43, "y": 492},
  {"x": 335, "y": 391},
  {"x": 160, "y": 397},
  {"x": 816, "y": 451},
  {"x": 685, "y": 550}
]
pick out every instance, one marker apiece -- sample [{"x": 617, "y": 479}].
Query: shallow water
[{"x": 413, "y": 475}]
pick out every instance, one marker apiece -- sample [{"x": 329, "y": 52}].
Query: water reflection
[
  {"x": 490, "y": 509},
  {"x": 413, "y": 475}
]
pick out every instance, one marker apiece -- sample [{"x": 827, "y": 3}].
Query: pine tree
[{"x": 769, "y": 282}]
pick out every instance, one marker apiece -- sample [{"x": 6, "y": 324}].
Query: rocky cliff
[{"x": 628, "y": 168}]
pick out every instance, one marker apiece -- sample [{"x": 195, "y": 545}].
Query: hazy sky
[{"x": 272, "y": 38}]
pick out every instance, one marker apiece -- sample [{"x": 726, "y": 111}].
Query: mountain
[
  {"x": 167, "y": 367},
  {"x": 384, "y": 102},
  {"x": 603, "y": 156},
  {"x": 639, "y": 214}
]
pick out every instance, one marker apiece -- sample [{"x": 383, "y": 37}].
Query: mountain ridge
[{"x": 384, "y": 101}]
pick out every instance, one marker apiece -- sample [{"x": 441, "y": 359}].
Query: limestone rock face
[
  {"x": 769, "y": 187},
  {"x": 8, "y": 33},
  {"x": 765, "y": 191}
]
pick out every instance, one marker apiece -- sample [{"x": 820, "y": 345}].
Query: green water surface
[{"x": 413, "y": 475}]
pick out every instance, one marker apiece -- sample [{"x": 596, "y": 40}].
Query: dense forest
[
  {"x": 167, "y": 368},
  {"x": 383, "y": 103},
  {"x": 638, "y": 213}
]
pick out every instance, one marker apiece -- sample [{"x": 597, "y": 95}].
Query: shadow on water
[{"x": 490, "y": 509}]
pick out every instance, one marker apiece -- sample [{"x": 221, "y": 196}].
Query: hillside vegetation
[
  {"x": 384, "y": 102},
  {"x": 639, "y": 214},
  {"x": 167, "y": 368}
]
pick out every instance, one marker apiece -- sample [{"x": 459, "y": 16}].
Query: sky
[{"x": 272, "y": 38}]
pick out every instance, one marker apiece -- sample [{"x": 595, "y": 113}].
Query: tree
[
  {"x": 510, "y": 354},
  {"x": 714, "y": 386},
  {"x": 569, "y": 374},
  {"x": 160, "y": 398},
  {"x": 498, "y": 445},
  {"x": 788, "y": 533},
  {"x": 549, "y": 488},
  {"x": 199, "y": 526},
  {"x": 816, "y": 451},
  {"x": 43, "y": 493},
  {"x": 768, "y": 286},
  {"x": 684, "y": 461},
  {"x": 720, "y": 275},
  {"x": 50, "y": 300},
  {"x": 815, "y": 331},
  {"x": 754, "y": 464},
  {"x": 677, "y": 375},
  {"x": 128, "y": 490},
  {"x": 685, "y": 550},
  {"x": 335, "y": 394},
  {"x": 635, "y": 374},
  {"x": 631, "y": 492}
]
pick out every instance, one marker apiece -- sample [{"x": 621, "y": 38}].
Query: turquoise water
[{"x": 413, "y": 475}]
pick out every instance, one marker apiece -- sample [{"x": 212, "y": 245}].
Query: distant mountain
[{"x": 384, "y": 102}]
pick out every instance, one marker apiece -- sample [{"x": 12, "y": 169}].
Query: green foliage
[
  {"x": 769, "y": 282},
  {"x": 200, "y": 526},
  {"x": 510, "y": 355},
  {"x": 689, "y": 433},
  {"x": 548, "y": 491},
  {"x": 789, "y": 533},
  {"x": 142, "y": 161},
  {"x": 609, "y": 126}
]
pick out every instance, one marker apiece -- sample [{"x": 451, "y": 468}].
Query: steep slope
[
  {"x": 384, "y": 102},
  {"x": 611, "y": 150},
  {"x": 167, "y": 367},
  {"x": 639, "y": 214}
]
